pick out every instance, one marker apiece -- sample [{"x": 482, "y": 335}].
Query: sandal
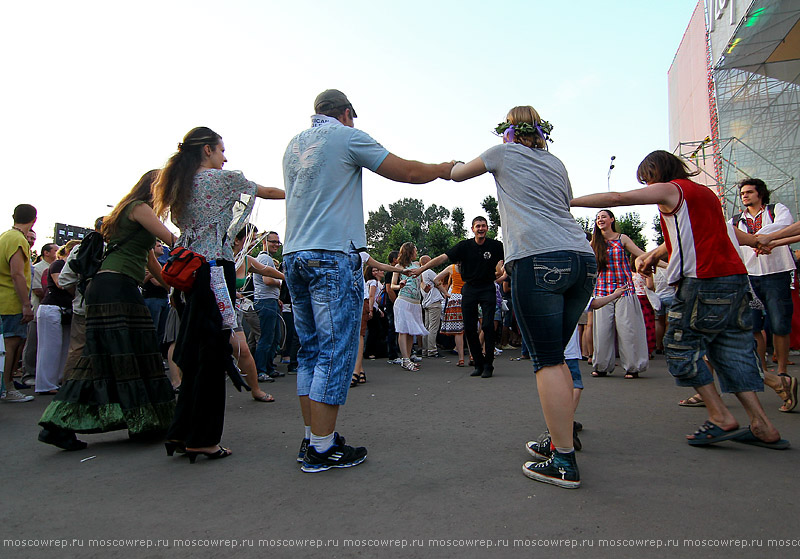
[
  {"x": 265, "y": 398},
  {"x": 631, "y": 375},
  {"x": 599, "y": 373},
  {"x": 354, "y": 380},
  {"x": 788, "y": 393},
  {"x": 460, "y": 363},
  {"x": 362, "y": 377},
  {"x": 409, "y": 365},
  {"x": 695, "y": 401}
]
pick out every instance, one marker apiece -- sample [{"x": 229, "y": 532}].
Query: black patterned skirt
[{"x": 119, "y": 381}]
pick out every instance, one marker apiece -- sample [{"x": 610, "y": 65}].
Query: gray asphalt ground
[{"x": 443, "y": 478}]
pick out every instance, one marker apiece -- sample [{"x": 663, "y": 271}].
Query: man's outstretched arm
[{"x": 413, "y": 172}]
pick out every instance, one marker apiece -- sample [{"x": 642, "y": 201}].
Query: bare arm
[
  {"x": 463, "y": 171},
  {"x": 395, "y": 281},
  {"x": 270, "y": 193},
  {"x": 154, "y": 267},
  {"x": 603, "y": 301},
  {"x": 646, "y": 263},
  {"x": 380, "y": 265},
  {"x": 666, "y": 195},
  {"x": 413, "y": 172},
  {"x": 267, "y": 271},
  {"x": 499, "y": 270},
  {"x": 630, "y": 246},
  {"x": 372, "y": 290},
  {"x": 17, "y": 268},
  {"x": 144, "y": 216},
  {"x": 414, "y": 272}
]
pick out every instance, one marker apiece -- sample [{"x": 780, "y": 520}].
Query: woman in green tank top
[{"x": 119, "y": 381}]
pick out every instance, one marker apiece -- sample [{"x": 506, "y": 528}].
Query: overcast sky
[{"x": 97, "y": 93}]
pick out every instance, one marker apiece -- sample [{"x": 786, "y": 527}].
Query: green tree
[
  {"x": 585, "y": 224},
  {"x": 457, "y": 219},
  {"x": 438, "y": 240},
  {"x": 631, "y": 224},
  {"x": 408, "y": 209},
  {"x": 378, "y": 226},
  {"x": 489, "y": 205},
  {"x": 659, "y": 236}
]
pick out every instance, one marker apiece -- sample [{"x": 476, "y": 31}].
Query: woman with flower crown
[{"x": 552, "y": 269}]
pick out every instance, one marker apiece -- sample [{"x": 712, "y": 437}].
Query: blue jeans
[
  {"x": 712, "y": 317},
  {"x": 550, "y": 292},
  {"x": 774, "y": 291},
  {"x": 327, "y": 289},
  {"x": 267, "y": 346}
]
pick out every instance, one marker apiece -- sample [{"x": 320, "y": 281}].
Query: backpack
[
  {"x": 91, "y": 253},
  {"x": 181, "y": 267}
]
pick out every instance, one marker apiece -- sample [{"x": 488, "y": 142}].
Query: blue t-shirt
[{"x": 322, "y": 177}]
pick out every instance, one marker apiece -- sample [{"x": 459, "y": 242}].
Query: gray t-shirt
[
  {"x": 260, "y": 289},
  {"x": 533, "y": 192}
]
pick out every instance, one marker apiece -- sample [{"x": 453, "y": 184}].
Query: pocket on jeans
[
  {"x": 712, "y": 311},
  {"x": 591, "y": 276},
  {"x": 552, "y": 274},
  {"x": 324, "y": 287}
]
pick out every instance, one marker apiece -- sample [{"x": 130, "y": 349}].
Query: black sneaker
[
  {"x": 338, "y": 456},
  {"x": 477, "y": 371},
  {"x": 303, "y": 447},
  {"x": 487, "y": 371},
  {"x": 560, "y": 470},
  {"x": 540, "y": 449}
]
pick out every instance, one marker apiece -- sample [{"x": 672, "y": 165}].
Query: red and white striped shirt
[{"x": 701, "y": 244}]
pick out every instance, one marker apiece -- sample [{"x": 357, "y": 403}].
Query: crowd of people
[{"x": 118, "y": 347}]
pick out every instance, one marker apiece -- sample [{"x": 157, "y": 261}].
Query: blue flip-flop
[
  {"x": 708, "y": 433},
  {"x": 749, "y": 438}
]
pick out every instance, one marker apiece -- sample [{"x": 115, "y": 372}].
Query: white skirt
[{"x": 408, "y": 318}]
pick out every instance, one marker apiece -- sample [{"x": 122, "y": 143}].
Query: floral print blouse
[{"x": 209, "y": 212}]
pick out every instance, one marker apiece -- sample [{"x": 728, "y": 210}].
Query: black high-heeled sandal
[
  {"x": 221, "y": 452},
  {"x": 175, "y": 446}
]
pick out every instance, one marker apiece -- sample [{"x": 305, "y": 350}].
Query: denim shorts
[
  {"x": 666, "y": 303},
  {"x": 712, "y": 317},
  {"x": 13, "y": 326},
  {"x": 327, "y": 289},
  {"x": 550, "y": 292},
  {"x": 575, "y": 371},
  {"x": 774, "y": 291}
]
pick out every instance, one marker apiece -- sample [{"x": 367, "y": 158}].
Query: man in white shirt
[{"x": 770, "y": 276}]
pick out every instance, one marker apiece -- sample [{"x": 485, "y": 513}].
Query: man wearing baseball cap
[{"x": 324, "y": 235}]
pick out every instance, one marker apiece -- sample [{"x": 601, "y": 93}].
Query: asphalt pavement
[{"x": 443, "y": 478}]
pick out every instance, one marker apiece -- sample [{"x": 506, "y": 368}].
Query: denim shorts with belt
[{"x": 327, "y": 289}]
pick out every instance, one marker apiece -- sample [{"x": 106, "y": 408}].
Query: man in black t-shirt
[{"x": 481, "y": 262}]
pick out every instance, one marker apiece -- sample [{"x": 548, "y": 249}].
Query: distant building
[
  {"x": 734, "y": 97},
  {"x": 64, "y": 233}
]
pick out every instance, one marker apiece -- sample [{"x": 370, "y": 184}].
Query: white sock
[
  {"x": 307, "y": 434},
  {"x": 565, "y": 450},
  {"x": 322, "y": 444}
]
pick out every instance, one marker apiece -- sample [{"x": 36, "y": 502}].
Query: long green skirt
[{"x": 119, "y": 381}]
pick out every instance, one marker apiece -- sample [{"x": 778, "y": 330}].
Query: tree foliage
[
  {"x": 489, "y": 205},
  {"x": 659, "y": 236},
  {"x": 631, "y": 224},
  {"x": 433, "y": 229}
]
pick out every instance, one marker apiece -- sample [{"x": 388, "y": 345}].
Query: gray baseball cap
[{"x": 332, "y": 99}]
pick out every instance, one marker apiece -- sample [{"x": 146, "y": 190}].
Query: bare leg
[
  {"x": 760, "y": 424},
  {"x": 781, "y": 344},
  {"x": 241, "y": 352},
  {"x": 404, "y": 341},
  {"x": 556, "y": 396},
  {"x": 761, "y": 348},
  {"x": 323, "y": 418},
  {"x": 718, "y": 414},
  {"x": 587, "y": 344},
  {"x": 360, "y": 357},
  {"x": 460, "y": 346},
  {"x": 14, "y": 347},
  {"x": 175, "y": 373},
  {"x": 661, "y": 328}
]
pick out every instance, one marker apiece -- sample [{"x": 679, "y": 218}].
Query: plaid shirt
[{"x": 617, "y": 272}]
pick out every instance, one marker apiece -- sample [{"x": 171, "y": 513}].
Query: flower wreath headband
[{"x": 508, "y": 130}]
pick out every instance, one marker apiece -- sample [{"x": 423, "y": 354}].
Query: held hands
[
  {"x": 763, "y": 244},
  {"x": 411, "y": 272},
  {"x": 646, "y": 263}
]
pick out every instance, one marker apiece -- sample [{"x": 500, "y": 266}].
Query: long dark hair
[
  {"x": 142, "y": 191},
  {"x": 599, "y": 245},
  {"x": 662, "y": 166},
  {"x": 171, "y": 191},
  {"x": 406, "y": 253}
]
